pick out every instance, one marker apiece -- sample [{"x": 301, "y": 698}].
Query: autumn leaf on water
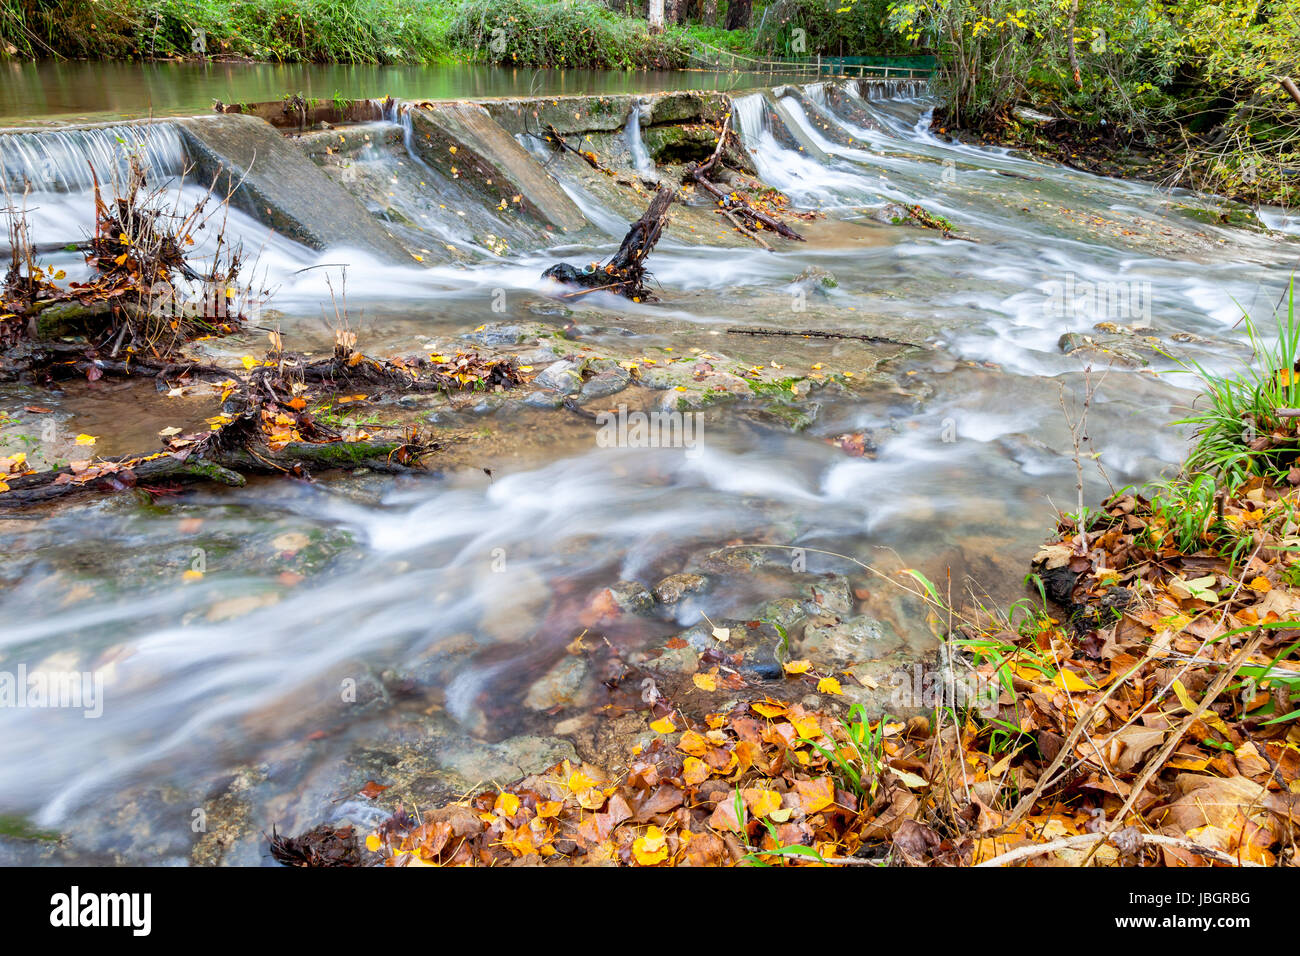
[
  {"x": 372, "y": 789},
  {"x": 797, "y": 667}
]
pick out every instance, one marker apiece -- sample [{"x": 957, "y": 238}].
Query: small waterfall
[
  {"x": 635, "y": 144},
  {"x": 889, "y": 89},
  {"x": 61, "y": 160},
  {"x": 751, "y": 117},
  {"x": 816, "y": 92}
]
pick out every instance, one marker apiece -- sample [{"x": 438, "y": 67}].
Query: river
[{"x": 438, "y": 601}]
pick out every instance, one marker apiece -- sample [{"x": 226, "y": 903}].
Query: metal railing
[{"x": 712, "y": 58}]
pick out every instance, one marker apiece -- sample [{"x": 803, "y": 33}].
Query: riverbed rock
[
  {"x": 67, "y": 318},
  {"x": 541, "y": 399},
  {"x": 816, "y": 279},
  {"x": 787, "y": 612},
  {"x": 676, "y": 660},
  {"x": 1107, "y": 348},
  {"x": 563, "y": 376},
  {"x": 631, "y": 597},
  {"x": 857, "y": 639},
  {"x": 475, "y": 762},
  {"x": 735, "y": 560},
  {"x": 674, "y": 587},
  {"x": 658, "y": 378},
  {"x": 564, "y": 685},
  {"x": 604, "y": 384},
  {"x": 829, "y": 595},
  {"x": 502, "y": 333},
  {"x": 891, "y": 214}
]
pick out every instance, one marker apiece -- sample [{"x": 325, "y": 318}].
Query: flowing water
[{"x": 443, "y": 598}]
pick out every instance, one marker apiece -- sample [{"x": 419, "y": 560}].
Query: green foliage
[
  {"x": 1237, "y": 429},
  {"x": 830, "y": 28},
  {"x": 1209, "y": 68},
  {"x": 575, "y": 33},
  {"x": 1239, "y": 435},
  {"x": 349, "y": 31}
]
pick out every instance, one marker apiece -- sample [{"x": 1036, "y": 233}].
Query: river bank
[{"x": 1165, "y": 159}]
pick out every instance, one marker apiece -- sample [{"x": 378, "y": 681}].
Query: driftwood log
[{"x": 624, "y": 273}]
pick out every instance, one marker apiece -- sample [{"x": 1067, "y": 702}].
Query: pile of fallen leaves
[
  {"x": 753, "y": 785},
  {"x": 1167, "y": 700}
]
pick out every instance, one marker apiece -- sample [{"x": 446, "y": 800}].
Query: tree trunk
[
  {"x": 655, "y": 14},
  {"x": 709, "y": 13},
  {"x": 738, "y": 14},
  {"x": 1069, "y": 42}
]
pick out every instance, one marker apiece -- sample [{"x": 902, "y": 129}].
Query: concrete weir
[
  {"x": 463, "y": 139},
  {"x": 279, "y": 185},
  {"x": 450, "y": 180}
]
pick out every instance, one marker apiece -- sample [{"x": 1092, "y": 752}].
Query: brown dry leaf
[{"x": 815, "y": 795}]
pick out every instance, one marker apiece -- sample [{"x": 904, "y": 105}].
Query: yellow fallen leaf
[
  {"x": 761, "y": 803},
  {"x": 580, "y": 781},
  {"x": 651, "y": 848},
  {"x": 705, "y": 681},
  {"x": 1260, "y": 584},
  {"x": 695, "y": 771},
  {"x": 806, "y": 727},
  {"x": 663, "y": 726},
  {"x": 373, "y": 843},
  {"x": 797, "y": 667},
  {"x": 85, "y": 439},
  {"x": 507, "y": 804},
  {"x": 829, "y": 685},
  {"x": 693, "y": 744},
  {"x": 1071, "y": 682},
  {"x": 769, "y": 709},
  {"x": 909, "y": 780}
]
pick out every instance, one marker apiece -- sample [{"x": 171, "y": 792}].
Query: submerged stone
[
  {"x": 564, "y": 685},
  {"x": 857, "y": 639},
  {"x": 674, "y": 587}
]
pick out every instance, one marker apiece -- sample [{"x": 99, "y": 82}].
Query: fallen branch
[
  {"x": 742, "y": 228},
  {"x": 1089, "y": 839},
  {"x": 733, "y": 202},
  {"x": 212, "y": 462},
  {"x": 586, "y": 155},
  {"x": 816, "y": 334}
]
